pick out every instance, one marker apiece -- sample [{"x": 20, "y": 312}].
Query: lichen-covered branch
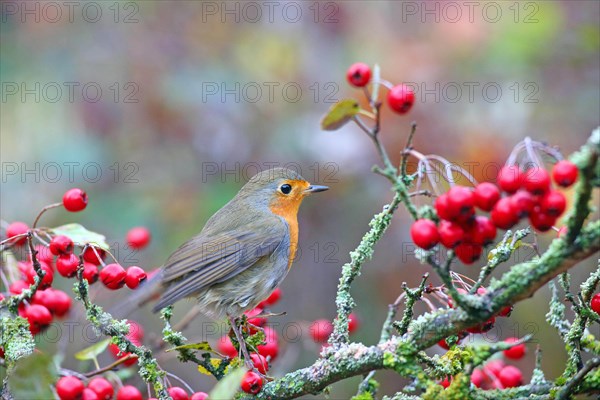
[
  {"x": 364, "y": 251},
  {"x": 401, "y": 353},
  {"x": 148, "y": 370},
  {"x": 186, "y": 354}
]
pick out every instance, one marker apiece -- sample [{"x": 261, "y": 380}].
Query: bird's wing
[{"x": 206, "y": 260}]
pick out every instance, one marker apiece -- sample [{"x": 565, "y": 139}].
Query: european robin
[{"x": 243, "y": 252}]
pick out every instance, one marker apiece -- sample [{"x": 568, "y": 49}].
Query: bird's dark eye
[{"x": 285, "y": 188}]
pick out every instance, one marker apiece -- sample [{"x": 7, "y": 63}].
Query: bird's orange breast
[{"x": 288, "y": 209}]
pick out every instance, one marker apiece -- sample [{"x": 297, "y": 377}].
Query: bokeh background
[{"x": 162, "y": 110}]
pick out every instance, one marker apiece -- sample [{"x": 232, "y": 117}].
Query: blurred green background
[{"x": 162, "y": 110}]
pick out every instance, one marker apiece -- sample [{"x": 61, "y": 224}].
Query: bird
[{"x": 244, "y": 251}]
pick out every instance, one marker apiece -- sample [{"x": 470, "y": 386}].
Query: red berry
[
  {"x": 226, "y": 347},
  {"x": 177, "y": 393},
  {"x": 506, "y": 311},
  {"x": 113, "y": 276},
  {"x": 537, "y": 180},
  {"x": 39, "y": 317},
  {"x": 468, "y": 253},
  {"x": 90, "y": 272},
  {"x": 353, "y": 322},
  {"x": 252, "y": 319},
  {"x": 67, "y": 265},
  {"x": 320, "y": 330},
  {"x": 450, "y": 234},
  {"x": 46, "y": 280},
  {"x": 260, "y": 363},
  {"x": 564, "y": 173},
  {"x": 444, "y": 344},
  {"x": 401, "y": 98},
  {"x": 494, "y": 367},
  {"x": 252, "y": 383},
  {"x": 90, "y": 256},
  {"x": 102, "y": 387},
  {"x": 18, "y": 286},
  {"x": 270, "y": 348},
  {"x": 75, "y": 200},
  {"x": 134, "y": 276},
  {"x": 442, "y": 208},
  {"x": 60, "y": 303},
  {"x": 69, "y": 388},
  {"x": 541, "y": 221},
  {"x": 516, "y": 352},
  {"x": 359, "y": 74},
  {"x": 272, "y": 299},
  {"x": 199, "y": 396},
  {"x": 503, "y": 214},
  {"x": 445, "y": 382},
  {"x": 61, "y": 244},
  {"x": 44, "y": 297},
  {"x": 15, "y": 229},
  {"x": 129, "y": 392},
  {"x": 595, "y": 303},
  {"x": 460, "y": 291},
  {"x": 138, "y": 237},
  {"x": 553, "y": 203},
  {"x": 424, "y": 233},
  {"x": 89, "y": 394},
  {"x": 483, "y": 327},
  {"x": 486, "y": 195},
  {"x": 43, "y": 254},
  {"x": 522, "y": 202},
  {"x": 136, "y": 332},
  {"x": 482, "y": 232},
  {"x": 461, "y": 200},
  {"x": 118, "y": 354},
  {"x": 477, "y": 378},
  {"x": 510, "y": 178},
  {"x": 510, "y": 376}
]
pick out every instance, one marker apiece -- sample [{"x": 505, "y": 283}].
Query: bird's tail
[{"x": 148, "y": 291}]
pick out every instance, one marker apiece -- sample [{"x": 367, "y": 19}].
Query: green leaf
[
  {"x": 339, "y": 114},
  {"x": 81, "y": 236},
  {"x": 33, "y": 377},
  {"x": 202, "y": 346},
  {"x": 227, "y": 387},
  {"x": 93, "y": 351}
]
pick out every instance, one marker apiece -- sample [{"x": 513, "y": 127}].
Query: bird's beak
[{"x": 315, "y": 189}]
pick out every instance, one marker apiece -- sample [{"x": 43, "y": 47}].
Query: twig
[
  {"x": 110, "y": 367},
  {"x": 48, "y": 207},
  {"x": 568, "y": 388}
]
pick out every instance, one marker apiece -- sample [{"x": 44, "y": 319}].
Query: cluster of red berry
[
  {"x": 265, "y": 353},
  {"x": 529, "y": 195},
  {"x": 58, "y": 255},
  {"x": 268, "y": 351},
  {"x": 73, "y": 388},
  {"x": 495, "y": 374},
  {"x": 479, "y": 328},
  {"x": 400, "y": 98}
]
